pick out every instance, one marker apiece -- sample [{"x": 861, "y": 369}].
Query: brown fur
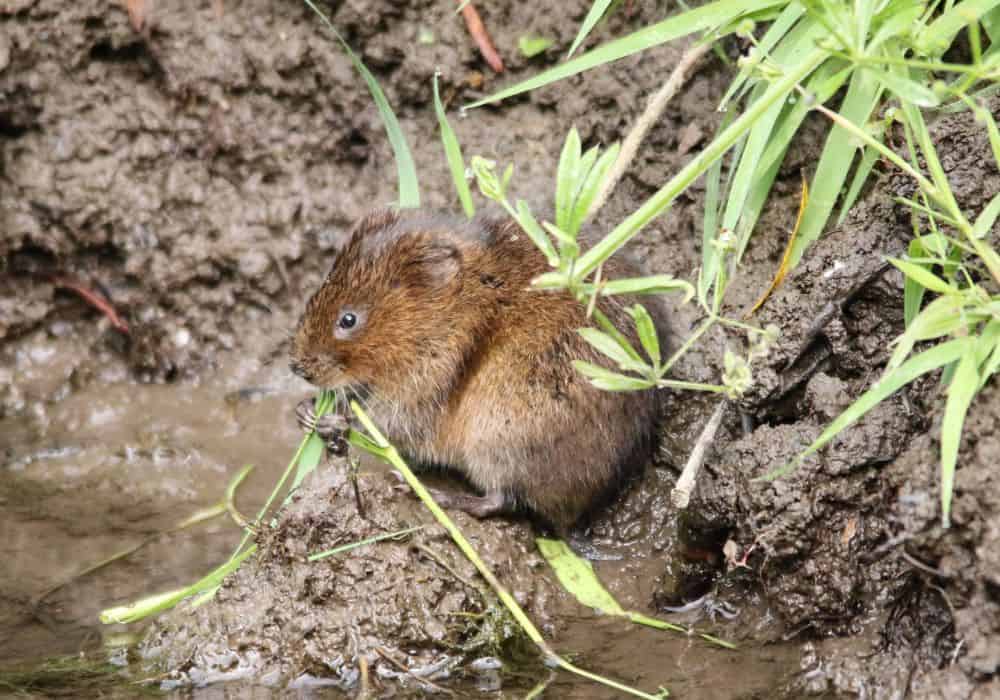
[{"x": 462, "y": 365}]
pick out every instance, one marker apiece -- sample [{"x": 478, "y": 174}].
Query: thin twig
[
  {"x": 659, "y": 101},
  {"x": 681, "y": 495},
  {"x": 94, "y": 299},
  {"x": 477, "y": 29},
  {"x": 402, "y": 667}
]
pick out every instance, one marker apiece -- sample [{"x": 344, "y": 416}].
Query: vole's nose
[{"x": 299, "y": 369}]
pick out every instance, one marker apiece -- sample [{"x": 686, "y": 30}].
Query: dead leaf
[
  {"x": 138, "y": 12},
  {"x": 779, "y": 276}
]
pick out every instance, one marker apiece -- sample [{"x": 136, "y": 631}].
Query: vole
[{"x": 431, "y": 322}]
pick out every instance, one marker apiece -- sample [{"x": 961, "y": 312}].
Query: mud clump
[
  {"x": 410, "y": 609},
  {"x": 850, "y": 543}
]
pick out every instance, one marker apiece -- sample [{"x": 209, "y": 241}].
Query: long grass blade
[
  {"x": 453, "y": 152},
  {"x": 961, "y": 391},
  {"x": 597, "y": 10},
  {"x": 406, "y": 170},
  {"x": 700, "y": 19}
]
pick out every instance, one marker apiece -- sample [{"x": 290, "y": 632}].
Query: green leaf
[
  {"x": 531, "y": 46},
  {"x": 922, "y": 275},
  {"x": 986, "y": 218},
  {"x": 941, "y": 317},
  {"x": 591, "y": 185},
  {"x": 662, "y": 198},
  {"x": 597, "y": 10},
  {"x": 610, "y": 381},
  {"x": 453, "y": 152},
  {"x": 551, "y": 280},
  {"x": 536, "y": 234},
  {"x": 646, "y": 329},
  {"x": 917, "y": 366},
  {"x": 653, "y": 284},
  {"x": 961, "y": 391},
  {"x": 577, "y": 576},
  {"x": 409, "y": 188},
  {"x": 569, "y": 248},
  {"x": 569, "y": 162},
  {"x": 308, "y": 461},
  {"x": 608, "y": 346},
  {"x": 863, "y": 94},
  {"x": 705, "y": 17},
  {"x": 913, "y": 291},
  {"x": 905, "y": 88},
  {"x": 939, "y": 35},
  {"x": 992, "y": 362},
  {"x": 789, "y": 15}
]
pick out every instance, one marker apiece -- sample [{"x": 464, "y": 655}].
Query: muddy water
[
  {"x": 92, "y": 467},
  {"x": 104, "y": 467}
]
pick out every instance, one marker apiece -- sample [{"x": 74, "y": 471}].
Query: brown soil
[{"x": 198, "y": 173}]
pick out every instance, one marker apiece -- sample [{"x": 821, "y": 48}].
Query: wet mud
[{"x": 198, "y": 173}]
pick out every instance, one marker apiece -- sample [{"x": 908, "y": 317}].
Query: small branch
[
  {"x": 94, "y": 299},
  {"x": 650, "y": 116},
  {"x": 477, "y": 29},
  {"x": 681, "y": 494}
]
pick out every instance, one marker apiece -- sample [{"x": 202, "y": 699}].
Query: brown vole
[{"x": 431, "y": 322}]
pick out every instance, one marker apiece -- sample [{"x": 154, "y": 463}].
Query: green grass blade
[
  {"x": 778, "y": 29},
  {"x": 363, "y": 543},
  {"x": 453, "y": 152},
  {"x": 927, "y": 361},
  {"x": 863, "y": 93},
  {"x": 705, "y": 17},
  {"x": 799, "y": 42},
  {"x": 578, "y": 578},
  {"x": 823, "y": 83},
  {"x": 653, "y": 284},
  {"x": 992, "y": 362},
  {"x": 406, "y": 170},
  {"x": 987, "y": 217},
  {"x": 646, "y": 329},
  {"x": 609, "y": 347},
  {"x": 913, "y": 291},
  {"x": 610, "y": 381},
  {"x": 938, "y": 36},
  {"x": 961, "y": 391},
  {"x": 868, "y": 159},
  {"x": 597, "y": 11},
  {"x": 662, "y": 199},
  {"x": 710, "y": 222},
  {"x": 922, "y": 275},
  {"x": 569, "y": 163}
]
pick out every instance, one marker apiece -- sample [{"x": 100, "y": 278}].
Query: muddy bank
[
  {"x": 198, "y": 176},
  {"x": 411, "y": 610}
]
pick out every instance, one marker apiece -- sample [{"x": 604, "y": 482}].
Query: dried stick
[{"x": 654, "y": 109}]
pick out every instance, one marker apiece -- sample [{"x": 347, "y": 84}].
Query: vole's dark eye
[{"x": 347, "y": 321}]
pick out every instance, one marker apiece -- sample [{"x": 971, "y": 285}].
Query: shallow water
[{"x": 94, "y": 467}]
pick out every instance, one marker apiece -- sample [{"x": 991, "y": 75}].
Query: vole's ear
[
  {"x": 436, "y": 264},
  {"x": 374, "y": 222}
]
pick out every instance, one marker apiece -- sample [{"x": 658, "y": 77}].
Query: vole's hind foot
[
  {"x": 491, "y": 504},
  {"x": 584, "y": 547}
]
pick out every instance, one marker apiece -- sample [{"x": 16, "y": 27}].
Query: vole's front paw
[{"x": 330, "y": 427}]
